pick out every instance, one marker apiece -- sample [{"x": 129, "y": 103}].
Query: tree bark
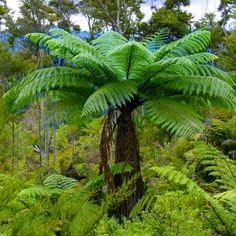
[
  {"x": 127, "y": 151},
  {"x": 105, "y": 150}
]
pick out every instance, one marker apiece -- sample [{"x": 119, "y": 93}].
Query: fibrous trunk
[
  {"x": 105, "y": 154},
  {"x": 127, "y": 151}
]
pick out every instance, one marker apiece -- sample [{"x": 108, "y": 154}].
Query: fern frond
[
  {"x": 144, "y": 204},
  {"x": 195, "y": 70},
  {"x": 196, "y": 85},
  {"x": 174, "y": 116},
  {"x": 109, "y": 41},
  {"x": 113, "y": 94},
  {"x": 30, "y": 196},
  {"x": 73, "y": 43},
  {"x": 194, "y": 59},
  {"x": 60, "y": 182},
  {"x": 229, "y": 199},
  {"x": 87, "y": 216},
  {"x": 155, "y": 41},
  {"x": 216, "y": 164},
  {"x": 129, "y": 60},
  {"x": 48, "y": 79},
  {"x": 192, "y": 43},
  {"x": 99, "y": 70}
]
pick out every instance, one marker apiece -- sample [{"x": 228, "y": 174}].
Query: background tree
[
  {"x": 120, "y": 16},
  {"x": 170, "y": 16},
  {"x": 227, "y": 8},
  {"x": 64, "y": 9}
]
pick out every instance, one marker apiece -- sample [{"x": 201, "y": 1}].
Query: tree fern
[
  {"x": 178, "y": 68},
  {"x": 172, "y": 83}
]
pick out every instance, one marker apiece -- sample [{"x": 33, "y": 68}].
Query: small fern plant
[
  {"x": 172, "y": 81},
  {"x": 224, "y": 214},
  {"x": 214, "y": 164}
]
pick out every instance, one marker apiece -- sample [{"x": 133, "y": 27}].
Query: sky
[{"x": 197, "y": 7}]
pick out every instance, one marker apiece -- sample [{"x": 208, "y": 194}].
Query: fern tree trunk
[{"x": 127, "y": 151}]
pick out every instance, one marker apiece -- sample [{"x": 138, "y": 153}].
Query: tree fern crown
[{"x": 171, "y": 80}]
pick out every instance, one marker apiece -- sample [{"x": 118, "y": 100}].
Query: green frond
[
  {"x": 55, "y": 46},
  {"x": 60, "y": 182},
  {"x": 87, "y": 216},
  {"x": 228, "y": 198},
  {"x": 120, "y": 168},
  {"x": 155, "y": 41},
  {"x": 192, "y": 43},
  {"x": 30, "y": 196},
  {"x": 63, "y": 44},
  {"x": 38, "y": 38},
  {"x": 73, "y": 43},
  {"x": 145, "y": 203},
  {"x": 113, "y": 95},
  {"x": 176, "y": 117},
  {"x": 109, "y": 41},
  {"x": 99, "y": 70},
  {"x": 174, "y": 176},
  {"x": 194, "y": 59},
  {"x": 129, "y": 60},
  {"x": 216, "y": 164},
  {"x": 194, "y": 69},
  {"x": 51, "y": 78},
  {"x": 196, "y": 85}
]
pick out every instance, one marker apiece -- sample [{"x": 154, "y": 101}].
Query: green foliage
[
  {"x": 224, "y": 215},
  {"x": 60, "y": 181},
  {"x": 181, "y": 213},
  {"x": 215, "y": 164},
  {"x": 169, "y": 17},
  {"x": 108, "y": 74}
]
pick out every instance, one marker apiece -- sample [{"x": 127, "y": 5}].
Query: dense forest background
[{"x": 53, "y": 180}]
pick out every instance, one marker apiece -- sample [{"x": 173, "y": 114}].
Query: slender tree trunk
[
  {"x": 46, "y": 137},
  {"x": 54, "y": 142},
  {"x": 13, "y": 149},
  {"x": 39, "y": 134},
  {"x": 127, "y": 151},
  {"x": 73, "y": 144}
]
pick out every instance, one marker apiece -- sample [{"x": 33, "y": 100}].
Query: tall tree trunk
[
  {"x": 13, "y": 148},
  {"x": 127, "y": 151},
  {"x": 39, "y": 134},
  {"x": 46, "y": 137},
  {"x": 54, "y": 141}
]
